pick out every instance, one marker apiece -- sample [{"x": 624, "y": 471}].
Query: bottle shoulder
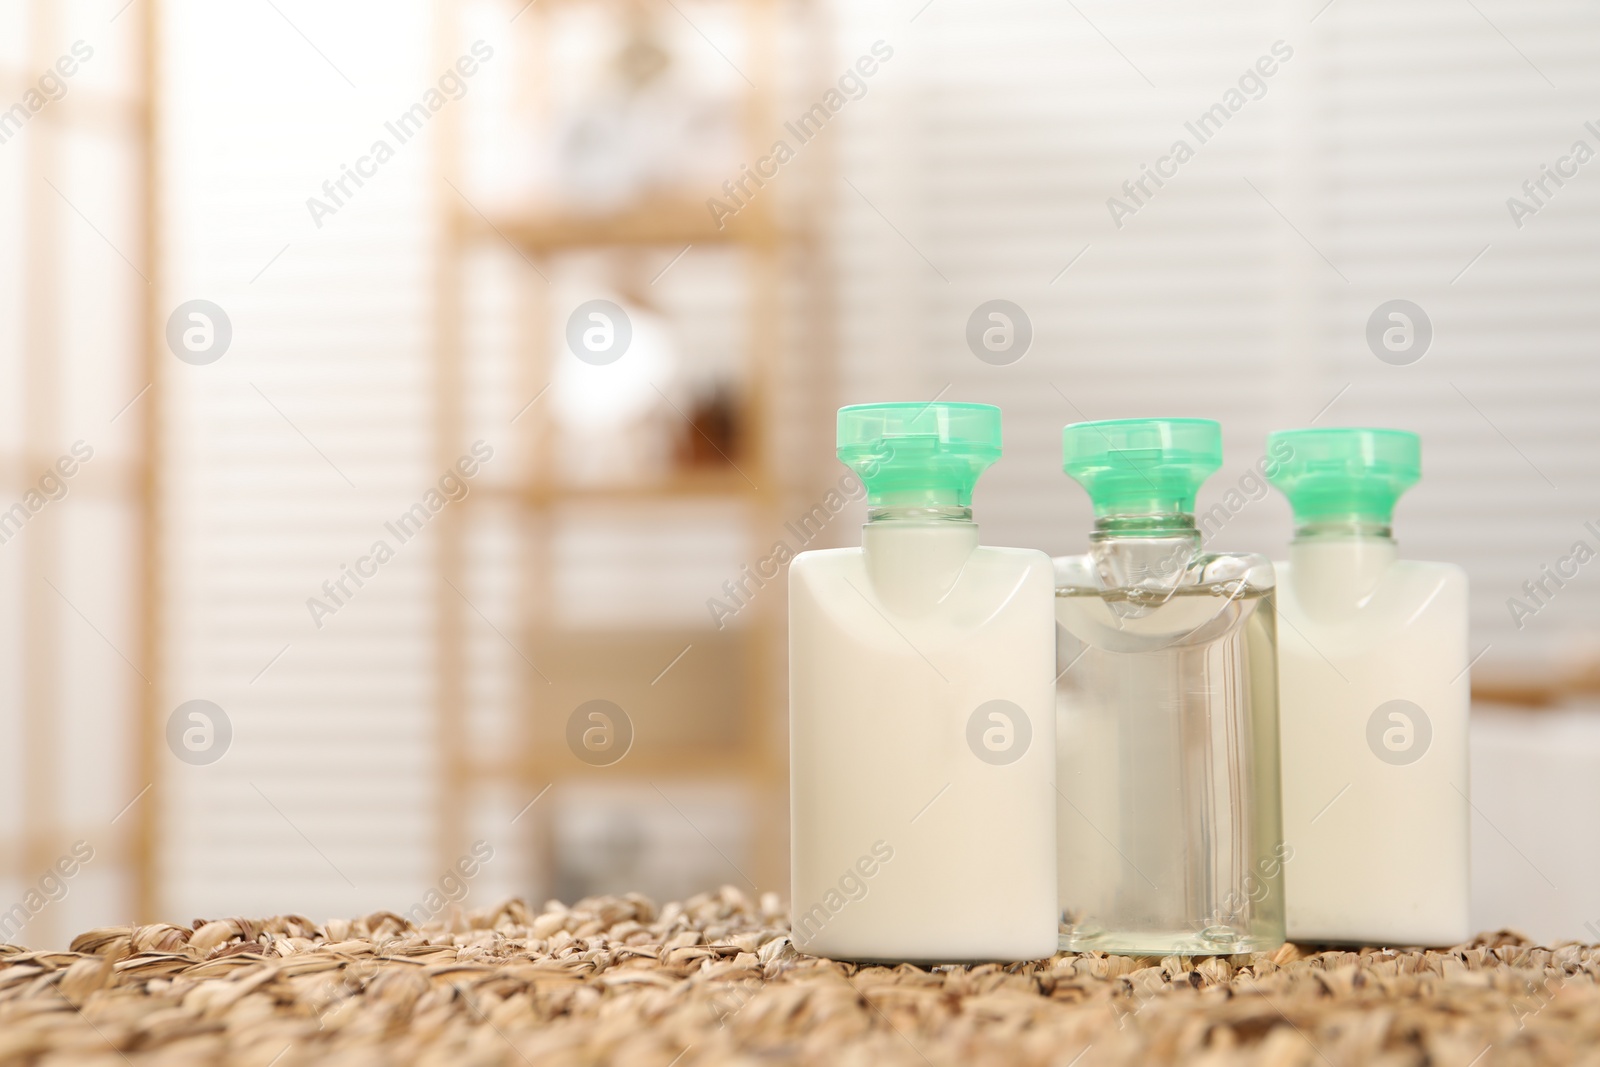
[
  {"x": 1203, "y": 568},
  {"x": 1444, "y": 572},
  {"x": 1020, "y": 558},
  {"x": 986, "y": 578},
  {"x": 823, "y": 558},
  {"x": 1400, "y": 583},
  {"x": 1404, "y": 596},
  {"x": 1252, "y": 568}
]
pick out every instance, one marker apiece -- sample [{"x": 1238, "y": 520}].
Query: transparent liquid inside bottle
[{"x": 1170, "y": 834}]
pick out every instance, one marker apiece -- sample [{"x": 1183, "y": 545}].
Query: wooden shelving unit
[{"x": 779, "y": 256}]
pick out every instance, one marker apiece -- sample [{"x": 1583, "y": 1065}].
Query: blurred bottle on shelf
[{"x": 710, "y": 440}]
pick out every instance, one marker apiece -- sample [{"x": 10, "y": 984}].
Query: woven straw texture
[{"x": 715, "y": 980}]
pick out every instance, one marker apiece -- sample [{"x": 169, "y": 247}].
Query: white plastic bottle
[
  {"x": 922, "y": 733},
  {"x": 1374, "y": 694}
]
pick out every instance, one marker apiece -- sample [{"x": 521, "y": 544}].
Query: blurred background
[{"x": 402, "y": 404}]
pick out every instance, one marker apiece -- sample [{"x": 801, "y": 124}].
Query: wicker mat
[{"x": 716, "y": 981}]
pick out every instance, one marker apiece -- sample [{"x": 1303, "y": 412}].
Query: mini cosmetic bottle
[
  {"x": 922, "y": 733},
  {"x": 1374, "y": 697},
  {"x": 1170, "y": 836}
]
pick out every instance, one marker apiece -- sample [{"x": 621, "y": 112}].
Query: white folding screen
[
  {"x": 287, "y": 455},
  {"x": 74, "y": 272}
]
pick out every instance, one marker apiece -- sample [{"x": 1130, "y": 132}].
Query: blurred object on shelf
[
  {"x": 616, "y": 419},
  {"x": 619, "y": 837},
  {"x": 648, "y": 126},
  {"x": 598, "y": 845},
  {"x": 711, "y": 438}
]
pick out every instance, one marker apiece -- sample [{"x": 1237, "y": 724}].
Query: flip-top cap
[
  {"x": 919, "y": 454},
  {"x": 1344, "y": 473},
  {"x": 1142, "y": 466}
]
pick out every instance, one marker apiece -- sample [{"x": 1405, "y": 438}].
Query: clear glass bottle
[{"x": 1169, "y": 829}]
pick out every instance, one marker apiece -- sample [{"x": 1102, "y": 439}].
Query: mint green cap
[
  {"x": 1142, "y": 466},
  {"x": 1341, "y": 472},
  {"x": 919, "y": 454}
]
